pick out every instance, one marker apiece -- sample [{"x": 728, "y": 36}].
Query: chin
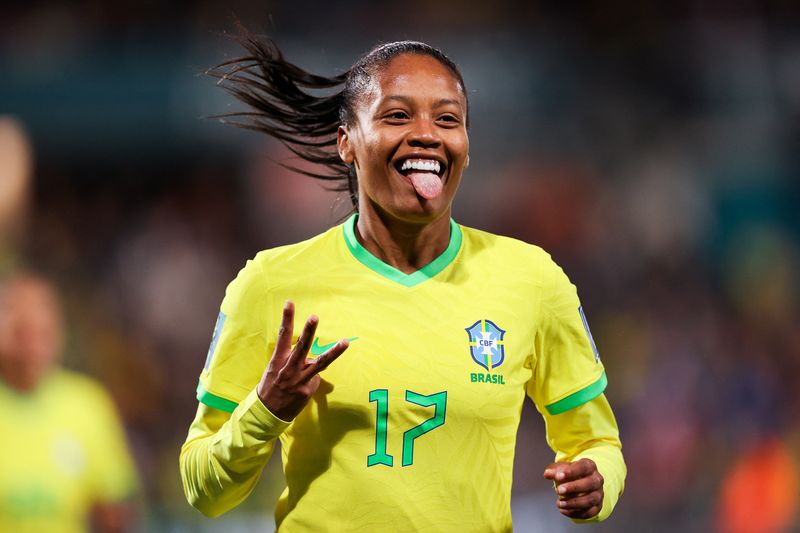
[
  {"x": 420, "y": 212},
  {"x": 408, "y": 206}
]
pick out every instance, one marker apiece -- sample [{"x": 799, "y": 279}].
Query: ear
[
  {"x": 466, "y": 163},
  {"x": 344, "y": 146}
]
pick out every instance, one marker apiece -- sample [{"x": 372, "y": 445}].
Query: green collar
[{"x": 387, "y": 271}]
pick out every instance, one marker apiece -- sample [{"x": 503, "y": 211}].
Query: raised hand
[
  {"x": 290, "y": 379},
  {"x": 579, "y": 487}
]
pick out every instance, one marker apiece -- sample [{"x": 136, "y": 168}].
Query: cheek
[
  {"x": 465, "y": 149},
  {"x": 364, "y": 152},
  {"x": 459, "y": 148},
  {"x": 377, "y": 143}
]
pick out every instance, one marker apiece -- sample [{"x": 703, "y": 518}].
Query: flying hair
[{"x": 280, "y": 104}]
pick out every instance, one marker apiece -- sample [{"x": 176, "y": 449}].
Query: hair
[{"x": 280, "y": 104}]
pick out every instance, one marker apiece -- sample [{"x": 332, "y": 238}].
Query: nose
[{"x": 424, "y": 135}]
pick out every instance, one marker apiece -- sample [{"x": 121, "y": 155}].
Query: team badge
[
  {"x": 486, "y": 344},
  {"x": 589, "y": 334}
]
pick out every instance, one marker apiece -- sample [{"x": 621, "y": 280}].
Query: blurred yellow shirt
[
  {"x": 62, "y": 449},
  {"x": 414, "y": 427}
]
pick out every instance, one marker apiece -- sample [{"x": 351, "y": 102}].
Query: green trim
[
  {"x": 579, "y": 398},
  {"x": 212, "y": 400},
  {"x": 387, "y": 271}
]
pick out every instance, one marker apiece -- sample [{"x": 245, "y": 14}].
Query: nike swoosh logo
[{"x": 316, "y": 349}]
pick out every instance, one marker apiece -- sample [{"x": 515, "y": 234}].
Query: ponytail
[{"x": 275, "y": 91}]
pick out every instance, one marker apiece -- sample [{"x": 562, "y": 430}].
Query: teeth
[{"x": 427, "y": 165}]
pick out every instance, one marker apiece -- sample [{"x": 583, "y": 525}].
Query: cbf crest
[{"x": 486, "y": 344}]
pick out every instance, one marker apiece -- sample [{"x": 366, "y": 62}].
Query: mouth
[
  {"x": 409, "y": 165},
  {"x": 424, "y": 173}
]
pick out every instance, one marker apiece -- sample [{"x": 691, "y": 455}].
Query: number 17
[{"x": 381, "y": 397}]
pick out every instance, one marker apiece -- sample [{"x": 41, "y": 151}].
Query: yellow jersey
[
  {"x": 413, "y": 428},
  {"x": 62, "y": 450}
]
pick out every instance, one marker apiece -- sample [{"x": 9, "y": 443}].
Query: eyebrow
[{"x": 409, "y": 101}]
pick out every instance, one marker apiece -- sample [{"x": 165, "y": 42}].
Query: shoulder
[
  {"x": 507, "y": 254},
  {"x": 306, "y": 253},
  {"x": 279, "y": 264},
  {"x": 71, "y": 386}
]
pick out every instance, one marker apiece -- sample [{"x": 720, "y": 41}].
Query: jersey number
[{"x": 381, "y": 397}]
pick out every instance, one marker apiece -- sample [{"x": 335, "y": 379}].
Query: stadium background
[{"x": 653, "y": 150}]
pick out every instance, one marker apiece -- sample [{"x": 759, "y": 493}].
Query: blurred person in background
[
  {"x": 16, "y": 162},
  {"x": 407, "y": 281},
  {"x": 64, "y": 461}
]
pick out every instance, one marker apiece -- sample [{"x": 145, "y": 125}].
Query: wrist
[
  {"x": 274, "y": 406},
  {"x": 271, "y": 413}
]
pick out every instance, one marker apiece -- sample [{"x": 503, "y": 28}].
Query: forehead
[
  {"x": 415, "y": 76},
  {"x": 27, "y": 294}
]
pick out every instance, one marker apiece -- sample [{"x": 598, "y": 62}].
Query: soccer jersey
[
  {"x": 413, "y": 428},
  {"x": 62, "y": 450}
]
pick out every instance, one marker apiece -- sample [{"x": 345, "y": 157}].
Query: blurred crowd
[{"x": 654, "y": 154}]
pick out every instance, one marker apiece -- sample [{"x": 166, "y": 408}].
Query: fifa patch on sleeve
[
  {"x": 215, "y": 337},
  {"x": 589, "y": 334}
]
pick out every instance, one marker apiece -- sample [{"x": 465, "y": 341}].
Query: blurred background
[{"x": 652, "y": 148}]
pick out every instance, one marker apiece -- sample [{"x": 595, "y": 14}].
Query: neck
[
  {"x": 17, "y": 383},
  {"x": 407, "y": 246}
]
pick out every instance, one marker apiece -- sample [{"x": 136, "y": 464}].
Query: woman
[
  {"x": 65, "y": 463},
  {"x": 446, "y": 329}
]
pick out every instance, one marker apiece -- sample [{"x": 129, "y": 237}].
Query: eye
[
  {"x": 397, "y": 115},
  {"x": 449, "y": 119}
]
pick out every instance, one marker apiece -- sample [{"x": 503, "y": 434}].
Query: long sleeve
[
  {"x": 590, "y": 431},
  {"x": 224, "y": 454},
  {"x": 567, "y": 387}
]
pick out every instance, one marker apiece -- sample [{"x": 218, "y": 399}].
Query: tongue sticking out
[{"x": 427, "y": 184}]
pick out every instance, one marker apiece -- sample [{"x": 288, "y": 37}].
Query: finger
[
  {"x": 581, "y": 503},
  {"x": 286, "y": 330},
  {"x": 323, "y": 361},
  {"x": 585, "y": 484},
  {"x": 553, "y": 469},
  {"x": 298, "y": 355},
  {"x": 576, "y": 470},
  {"x": 581, "y": 514}
]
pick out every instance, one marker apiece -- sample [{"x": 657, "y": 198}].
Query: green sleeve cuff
[
  {"x": 212, "y": 400},
  {"x": 586, "y": 394},
  {"x": 259, "y": 417}
]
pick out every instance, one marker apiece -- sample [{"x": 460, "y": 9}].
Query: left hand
[{"x": 579, "y": 487}]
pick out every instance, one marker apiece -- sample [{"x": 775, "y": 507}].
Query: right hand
[{"x": 290, "y": 379}]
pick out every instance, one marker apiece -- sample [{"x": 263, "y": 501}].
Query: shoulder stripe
[
  {"x": 212, "y": 400},
  {"x": 575, "y": 399}
]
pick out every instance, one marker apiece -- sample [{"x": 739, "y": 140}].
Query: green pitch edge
[{"x": 579, "y": 398}]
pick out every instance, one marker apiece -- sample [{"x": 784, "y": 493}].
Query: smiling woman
[
  {"x": 447, "y": 329},
  {"x": 409, "y": 137}
]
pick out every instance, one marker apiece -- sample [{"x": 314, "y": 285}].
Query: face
[
  {"x": 409, "y": 142},
  {"x": 30, "y": 332}
]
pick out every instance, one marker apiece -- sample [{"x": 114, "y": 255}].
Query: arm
[
  {"x": 567, "y": 386},
  {"x": 232, "y": 435},
  {"x": 589, "y": 467},
  {"x": 224, "y": 454}
]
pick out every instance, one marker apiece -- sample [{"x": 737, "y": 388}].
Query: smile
[
  {"x": 424, "y": 174},
  {"x": 410, "y": 165},
  {"x": 420, "y": 164}
]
